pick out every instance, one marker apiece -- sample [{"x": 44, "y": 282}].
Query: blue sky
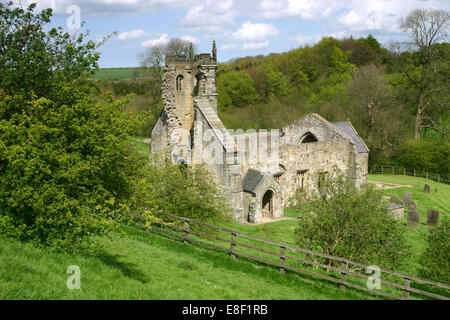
[{"x": 240, "y": 27}]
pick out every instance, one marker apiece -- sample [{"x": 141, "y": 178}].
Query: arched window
[
  {"x": 309, "y": 137},
  {"x": 179, "y": 82},
  {"x": 203, "y": 85}
]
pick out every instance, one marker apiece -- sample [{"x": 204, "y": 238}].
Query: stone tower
[{"x": 188, "y": 81}]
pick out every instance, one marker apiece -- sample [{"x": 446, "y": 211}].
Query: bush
[
  {"x": 183, "y": 191},
  {"x": 66, "y": 166},
  {"x": 436, "y": 259},
  {"x": 235, "y": 89},
  {"x": 342, "y": 221},
  {"x": 424, "y": 155}
]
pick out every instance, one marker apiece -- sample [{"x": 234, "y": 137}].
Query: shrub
[
  {"x": 66, "y": 166},
  {"x": 343, "y": 221},
  {"x": 183, "y": 191},
  {"x": 425, "y": 155},
  {"x": 436, "y": 259}
]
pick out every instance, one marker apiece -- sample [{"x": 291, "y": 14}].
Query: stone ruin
[
  {"x": 190, "y": 129},
  {"x": 432, "y": 218}
]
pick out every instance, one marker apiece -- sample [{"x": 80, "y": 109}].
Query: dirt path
[
  {"x": 265, "y": 220},
  {"x": 388, "y": 185}
]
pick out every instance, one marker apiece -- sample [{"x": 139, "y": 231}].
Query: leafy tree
[
  {"x": 424, "y": 155},
  {"x": 436, "y": 260},
  {"x": 236, "y": 89},
  {"x": 277, "y": 84},
  {"x": 343, "y": 221},
  {"x": 66, "y": 167},
  {"x": 184, "y": 191}
]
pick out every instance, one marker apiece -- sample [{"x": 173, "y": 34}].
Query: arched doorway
[{"x": 267, "y": 204}]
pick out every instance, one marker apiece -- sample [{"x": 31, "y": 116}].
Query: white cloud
[
  {"x": 164, "y": 38},
  {"x": 190, "y": 39},
  {"x": 210, "y": 17},
  {"x": 254, "y": 32},
  {"x": 255, "y": 45},
  {"x": 132, "y": 35},
  {"x": 228, "y": 46},
  {"x": 96, "y": 8}
]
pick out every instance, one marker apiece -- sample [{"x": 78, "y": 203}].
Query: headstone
[
  {"x": 432, "y": 218},
  {"x": 412, "y": 206},
  {"x": 406, "y": 197},
  {"x": 426, "y": 188},
  {"x": 413, "y": 219},
  {"x": 435, "y": 190},
  {"x": 397, "y": 210},
  {"x": 395, "y": 200}
]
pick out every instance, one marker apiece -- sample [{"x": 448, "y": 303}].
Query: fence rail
[
  {"x": 341, "y": 275},
  {"x": 410, "y": 172}
]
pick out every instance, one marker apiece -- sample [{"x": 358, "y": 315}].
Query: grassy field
[
  {"x": 119, "y": 73},
  {"x": 438, "y": 200},
  {"x": 140, "y": 265},
  {"x": 136, "y": 265},
  {"x": 139, "y": 145}
]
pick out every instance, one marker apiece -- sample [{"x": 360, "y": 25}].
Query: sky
[{"x": 239, "y": 27}]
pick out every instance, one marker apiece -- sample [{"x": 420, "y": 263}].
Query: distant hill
[{"x": 120, "y": 73}]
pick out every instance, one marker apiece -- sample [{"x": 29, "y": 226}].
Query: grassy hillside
[
  {"x": 140, "y": 265},
  {"x": 119, "y": 73},
  {"x": 439, "y": 200}
]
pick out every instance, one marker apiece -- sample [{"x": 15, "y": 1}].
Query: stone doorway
[{"x": 267, "y": 204}]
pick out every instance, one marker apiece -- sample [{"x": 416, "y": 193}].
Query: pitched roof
[
  {"x": 348, "y": 129},
  {"x": 251, "y": 180}
]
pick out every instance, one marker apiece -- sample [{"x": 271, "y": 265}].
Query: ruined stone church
[{"x": 190, "y": 131}]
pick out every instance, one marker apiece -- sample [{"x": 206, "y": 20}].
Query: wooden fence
[
  {"x": 343, "y": 272},
  {"x": 410, "y": 172}
]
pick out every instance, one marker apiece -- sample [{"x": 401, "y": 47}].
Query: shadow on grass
[
  {"x": 128, "y": 269},
  {"x": 219, "y": 259}
]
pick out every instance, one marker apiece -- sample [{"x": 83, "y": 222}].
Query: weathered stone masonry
[{"x": 308, "y": 146}]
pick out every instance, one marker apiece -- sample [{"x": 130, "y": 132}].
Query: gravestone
[
  {"x": 396, "y": 209},
  {"x": 432, "y": 217},
  {"x": 413, "y": 219},
  {"x": 395, "y": 200},
  {"x": 435, "y": 190},
  {"x": 426, "y": 188},
  {"x": 406, "y": 197},
  {"x": 412, "y": 206}
]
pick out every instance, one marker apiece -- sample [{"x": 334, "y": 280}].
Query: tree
[
  {"x": 426, "y": 67},
  {"x": 340, "y": 220},
  {"x": 66, "y": 166},
  {"x": 436, "y": 260},
  {"x": 153, "y": 58},
  {"x": 369, "y": 93},
  {"x": 236, "y": 89}
]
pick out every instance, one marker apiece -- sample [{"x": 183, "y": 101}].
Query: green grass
[
  {"x": 119, "y": 73},
  {"x": 139, "y": 145},
  {"x": 148, "y": 266},
  {"x": 439, "y": 200}
]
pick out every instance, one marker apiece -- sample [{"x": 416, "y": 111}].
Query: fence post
[
  {"x": 186, "y": 232},
  {"x": 282, "y": 259},
  {"x": 233, "y": 245},
  {"x": 414, "y": 173},
  {"x": 393, "y": 170},
  {"x": 405, "y": 291},
  {"x": 439, "y": 177},
  {"x": 404, "y": 171},
  {"x": 343, "y": 278},
  {"x": 426, "y": 174},
  {"x": 381, "y": 169}
]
